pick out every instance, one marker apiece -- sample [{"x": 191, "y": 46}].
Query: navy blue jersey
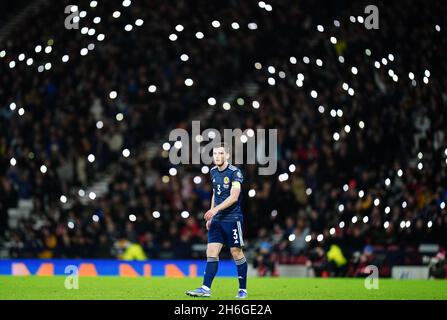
[{"x": 222, "y": 183}]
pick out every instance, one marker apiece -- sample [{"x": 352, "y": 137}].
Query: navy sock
[
  {"x": 210, "y": 271},
  {"x": 242, "y": 266}
]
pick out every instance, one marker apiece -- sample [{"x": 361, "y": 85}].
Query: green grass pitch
[{"x": 159, "y": 288}]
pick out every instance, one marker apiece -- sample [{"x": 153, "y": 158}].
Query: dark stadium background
[{"x": 68, "y": 114}]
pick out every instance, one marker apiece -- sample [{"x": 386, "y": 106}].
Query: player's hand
[
  {"x": 210, "y": 214},
  {"x": 208, "y": 224}
]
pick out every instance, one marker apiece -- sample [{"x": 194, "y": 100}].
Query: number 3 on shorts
[{"x": 235, "y": 234}]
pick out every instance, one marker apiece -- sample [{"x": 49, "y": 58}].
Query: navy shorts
[{"x": 227, "y": 233}]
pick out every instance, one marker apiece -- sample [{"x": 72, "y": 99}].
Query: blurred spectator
[
  {"x": 264, "y": 260},
  {"x": 337, "y": 261},
  {"x": 438, "y": 266},
  {"x": 365, "y": 259}
]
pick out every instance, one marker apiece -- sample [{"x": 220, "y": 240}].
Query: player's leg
[
  {"x": 242, "y": 267},
  {"x": 215, "y": 243},
  {"x": 212, "y": 263},
  {"x": 235, "y": 240}
]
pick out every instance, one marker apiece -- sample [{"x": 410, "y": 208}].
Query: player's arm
[
  {"x": 232, "y": 198},
  {"x": 212, "y": 201},
  {"x": 208, "y": 222}
]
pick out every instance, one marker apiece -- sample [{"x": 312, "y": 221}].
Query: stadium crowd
[{"x": 365, "y": 155}]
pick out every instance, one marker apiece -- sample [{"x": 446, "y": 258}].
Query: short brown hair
[{"x": 222, "y": 145}]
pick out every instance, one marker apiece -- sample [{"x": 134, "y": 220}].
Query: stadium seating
[{"x": 343, "y": 146}]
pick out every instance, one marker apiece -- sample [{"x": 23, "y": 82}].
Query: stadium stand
[{"x": 366, "y": 158}]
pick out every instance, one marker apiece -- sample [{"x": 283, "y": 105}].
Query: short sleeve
[{"x": 237, "y": 176}]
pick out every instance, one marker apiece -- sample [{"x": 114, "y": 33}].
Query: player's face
[{"x": 219, "y": 156}]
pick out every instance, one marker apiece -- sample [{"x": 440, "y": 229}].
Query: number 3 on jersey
[{"x": 218, "y": 189}]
